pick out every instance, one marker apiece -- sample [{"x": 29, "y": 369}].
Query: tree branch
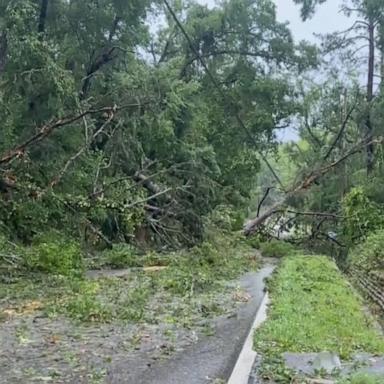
[
  {"x": 341, "y": 131},
  {"x": 47, "y": 129},
  {"x": 263, "y": 199}
]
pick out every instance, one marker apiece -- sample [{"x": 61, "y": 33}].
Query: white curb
[{"x": 244, "y": 364}]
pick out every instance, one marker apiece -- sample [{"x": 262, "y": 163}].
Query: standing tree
[{"x": 364, "y": 33}]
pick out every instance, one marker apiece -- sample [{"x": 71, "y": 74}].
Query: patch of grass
[
  {"x": 362, "y": 378},
  {"x": 276, "y": 248},
  {"x": 313, "y": 309}
]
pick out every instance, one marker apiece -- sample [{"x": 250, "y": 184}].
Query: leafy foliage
[
  {"x": 363, "y": 215},
  {"x": 189, "y": 279},
  {"x": 54, "y": 254},
  {"x": 276, "y": 248},
  {"x": 369, "y": 255}
]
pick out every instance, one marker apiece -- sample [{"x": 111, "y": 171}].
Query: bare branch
[
  {"x": 263, "y": 199},
  {"x": 341, "y": 131}
]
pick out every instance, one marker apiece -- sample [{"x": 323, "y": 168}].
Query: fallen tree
[{"x": 252, "y": 226}]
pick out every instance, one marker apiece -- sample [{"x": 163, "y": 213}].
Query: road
[{"x": 212, "y": 357}]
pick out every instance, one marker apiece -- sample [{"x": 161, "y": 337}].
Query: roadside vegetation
[
  {"x": 369, "y": 255},
  {"x": 181, "y": 286},
  {"x": 313, "y": 309}
]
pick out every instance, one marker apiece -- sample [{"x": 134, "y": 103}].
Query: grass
[
  {"x": 362, "y": 378},
  {"x": 313, "y": 309}
]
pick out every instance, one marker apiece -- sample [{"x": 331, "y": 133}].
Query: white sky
[{"x": 327, "y": 18}]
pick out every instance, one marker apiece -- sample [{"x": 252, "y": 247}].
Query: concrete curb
[{"x": 247, "y": 357}]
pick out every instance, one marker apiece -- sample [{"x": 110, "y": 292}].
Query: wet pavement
[{"x": 211, "y": 358}]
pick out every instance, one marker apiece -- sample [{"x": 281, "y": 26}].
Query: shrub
[
  {"x": 363, "y": 216},
  {"x": 10, "y": 254},
  {"x": 223, "y": 218},
  {"x": 206, "y": 266},
  {"x": 55, "y": 254},
  {"x": 254, "y": 242},
  {"x": 369, "y": 255},
  {"x": 194, "y": 271},
  {"x": 121, "y": 256},
  {"x": 276, "y": 248},
  {"x": 82, "y": 302}
]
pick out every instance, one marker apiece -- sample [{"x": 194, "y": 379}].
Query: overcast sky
[{"x": 327, "y": 18}]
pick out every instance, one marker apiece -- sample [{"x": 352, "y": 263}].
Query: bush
[
  {"x": 363, "y": 216},
  {"x": 369, "y": 255},
  {"x": 276, "y": 248},
  {"x": 55, "y": 254},
  {"x": 80, "y": 300},
  {"x": 223, "y": 218},
  {"x": 253, "y": 242},
  {"x": 206, "y": 266},
  {"x": 10, "y": 254},
  {"x": 121, "y": 256}
]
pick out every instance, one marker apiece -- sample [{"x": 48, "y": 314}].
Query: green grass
[
  {"x": 362, "y": 378},
  {"x": 313, "y": 309}
]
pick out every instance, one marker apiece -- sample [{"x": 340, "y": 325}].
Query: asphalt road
[{"x": 212, "y": 357}]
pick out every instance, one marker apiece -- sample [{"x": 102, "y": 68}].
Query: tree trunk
[
  {"x": 43, "y": 16},
  {"x": 368, "y": 121},
  {"x": 3, "y": 51}
]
